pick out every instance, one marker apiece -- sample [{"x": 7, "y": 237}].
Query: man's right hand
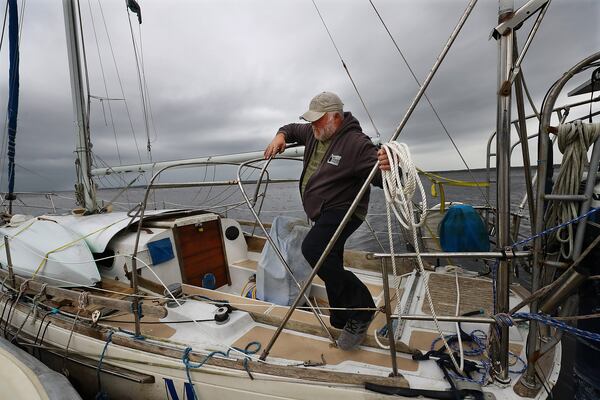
[
  {"x": 384, "y": 162},
  {"x": 276, "y": 146}
]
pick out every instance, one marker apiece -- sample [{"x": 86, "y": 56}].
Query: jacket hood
[{"x": 349, "y": 124}]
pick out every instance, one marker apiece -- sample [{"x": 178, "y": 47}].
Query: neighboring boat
[
  {"x": 174, "y": 314},
  {"x": 24, "y": 377}
]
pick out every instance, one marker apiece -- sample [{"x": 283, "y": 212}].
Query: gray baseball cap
[{"x": 322, "y": 103}]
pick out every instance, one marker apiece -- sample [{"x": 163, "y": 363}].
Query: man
[{"x": 338, "y": 157}]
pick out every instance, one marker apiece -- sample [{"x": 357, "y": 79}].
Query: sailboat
[{"x": 158, "y": 304}]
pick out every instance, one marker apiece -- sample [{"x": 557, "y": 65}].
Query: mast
[
  {"x": 13, "y": 96},
  {"x": 503, "y": 128},
  {"x": 84, "y": 189}
]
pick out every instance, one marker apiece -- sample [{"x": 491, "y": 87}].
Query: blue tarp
[
  {"x": 462, "y": 229},
  {"x": 160, "y": 251}
]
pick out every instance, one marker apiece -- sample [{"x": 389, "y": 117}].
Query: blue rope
[
  {"x": 101, "y": 395},
  {"x": 132, "y": 334},
  {"x": 248, "y": 350},
  {"x": 479, "y": 337},
  {"x": 478, "y": 350},
  {"x": 494, "y": 277},
  {"x": 523, "y": 363},
  {"x": 555, "y": 228},
  {"x": 506, "y": 320},
  {"x": 546, "y": 320}
]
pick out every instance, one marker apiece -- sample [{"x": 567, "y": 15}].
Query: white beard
[{"x": 325, "y": 133}]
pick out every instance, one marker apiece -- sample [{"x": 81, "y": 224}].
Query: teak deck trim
[{"x": 116, "y": 304}]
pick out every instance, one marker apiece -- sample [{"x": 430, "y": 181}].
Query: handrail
[
  {"x": 532, "y": 338},
  {"x": 455, "y": 254},
  {"x": 140, "y": 213},
  {"x": 559, "y": 111}
]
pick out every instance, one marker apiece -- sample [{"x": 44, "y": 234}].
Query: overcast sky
[{"x": 224, "y": 75}]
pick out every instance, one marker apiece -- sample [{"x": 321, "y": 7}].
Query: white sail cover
[
  {"x": 54, "y": 254},
  {"x": 98, "y": 229}
]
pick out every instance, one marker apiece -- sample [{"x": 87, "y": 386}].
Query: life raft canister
[{"x": 462, "y": 229}]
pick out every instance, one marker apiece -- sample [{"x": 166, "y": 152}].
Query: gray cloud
[{"x": 224, "y": 75}]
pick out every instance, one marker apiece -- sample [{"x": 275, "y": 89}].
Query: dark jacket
[{"x": 345, "y": 167}]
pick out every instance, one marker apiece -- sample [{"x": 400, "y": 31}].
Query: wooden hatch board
[{"x": 200, "y": 250}]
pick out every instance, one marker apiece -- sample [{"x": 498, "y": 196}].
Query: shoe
[{"x": 353, "y": 334}]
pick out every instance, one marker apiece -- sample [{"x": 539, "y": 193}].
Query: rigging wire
[
  {"x": 37, "y": 173},
  {"x": 116, "y": 176},
  {"x": 346, "y": 69},
  {"x": 435, "y": 112},
  {"x": 230, "y": 190},
  {"x": 110, "y": 112},
  {"x": 203, "y": 180},
  {"x": 149, "y": 102},
  {"x": 141, "y": 87},
  {"x": 529, "y": 98},
  {"x": 4, "y": 25},
  {"x": 141, "y": 75},
  {"x": 120, "y": 82}
]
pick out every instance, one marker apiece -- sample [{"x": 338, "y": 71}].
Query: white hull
[
  {"x": 26, "y": 378},
  {"x": 214, "y": 381}
]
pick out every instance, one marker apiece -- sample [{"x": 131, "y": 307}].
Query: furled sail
[{"x": 13, "y": 97}]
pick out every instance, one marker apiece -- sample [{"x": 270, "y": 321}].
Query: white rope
[
  {"x": 399, "y": 184},
  {"x": 460, "y": 343},
  {"x": 574, "y": 140}
]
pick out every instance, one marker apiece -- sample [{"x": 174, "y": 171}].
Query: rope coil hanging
[
  {"x": 574, "y": 140},
  {"x": 399, "y": 186}
]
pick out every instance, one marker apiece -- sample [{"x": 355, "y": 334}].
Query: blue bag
[{"x": 462, "y": 229}]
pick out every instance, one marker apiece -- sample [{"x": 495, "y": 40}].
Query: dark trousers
[{"x": 344, "y": 289}]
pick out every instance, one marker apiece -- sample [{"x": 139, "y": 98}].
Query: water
[{"x": 283, "y": 199}]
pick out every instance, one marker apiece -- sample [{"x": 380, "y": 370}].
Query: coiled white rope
[
  {"x": 399, "y": 186},
  {"x": 574, "y": 140},
  {"x": 457, "y": 311}
]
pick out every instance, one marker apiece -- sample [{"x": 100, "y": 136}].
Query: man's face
[{"x": 324, "y": 127}]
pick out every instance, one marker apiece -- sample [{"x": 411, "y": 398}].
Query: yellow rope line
[
  {"x": 22, "y": 230},
  {"x": 438, "y": 182},
  {"x": 453, "y": 182}
]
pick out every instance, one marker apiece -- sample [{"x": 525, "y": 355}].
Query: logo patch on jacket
[{"x": 334, "y": 160}]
